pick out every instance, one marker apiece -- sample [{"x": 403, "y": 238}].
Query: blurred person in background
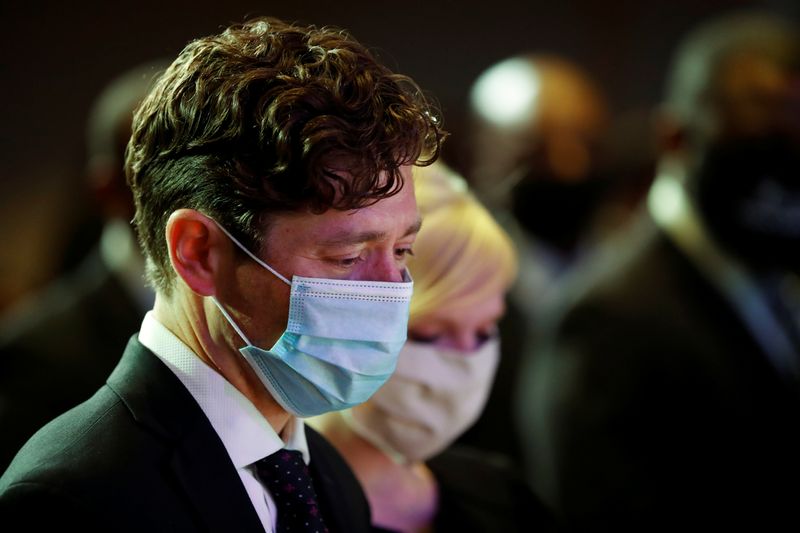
[
  {"x": 71, "y": 327},
  {"x": 539, "y": 122},
  {"x": 539, "y": 134},
  {"x": 398, "y": 441},
  {"x": 663, "y": 395}
]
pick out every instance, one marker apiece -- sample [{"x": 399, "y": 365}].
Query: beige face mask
[{"x": 434, "y": 395}]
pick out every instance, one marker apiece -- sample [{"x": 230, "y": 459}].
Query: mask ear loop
[
  {"x": 231, "y": 321},
  {"x": 257, "y": 260},
  {"x": 251, "y": 254}
]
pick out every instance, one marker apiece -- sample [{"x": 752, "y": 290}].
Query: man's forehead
[
  {"x": 357, "y": 233},
  {"x": 393, "y": 217}
]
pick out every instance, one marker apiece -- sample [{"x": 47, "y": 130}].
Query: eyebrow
[{"x": 345, "y": 239}]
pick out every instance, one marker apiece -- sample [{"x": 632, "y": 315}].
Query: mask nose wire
[{"x": 252, "y": 255}]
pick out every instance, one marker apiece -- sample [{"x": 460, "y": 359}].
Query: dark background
[{"x": 56, "y": 56}]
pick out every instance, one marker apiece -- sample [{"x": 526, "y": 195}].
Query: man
[
  {"x": 270, "y": 167},
  {"x": 79, "y": 324},
  {"x": 538, "y": 132},
  {"x": 538, "y": 126},
  {"x": 666, "y": 396}
]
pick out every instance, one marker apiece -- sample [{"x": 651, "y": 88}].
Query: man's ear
[{"x": 196, "y": 248}]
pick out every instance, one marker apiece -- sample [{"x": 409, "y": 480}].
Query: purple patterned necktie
[{"x": 286, "y": 477}]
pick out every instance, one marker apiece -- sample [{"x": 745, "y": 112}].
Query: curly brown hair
[{"x": 262, "y": 119}]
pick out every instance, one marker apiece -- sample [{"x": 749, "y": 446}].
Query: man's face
[
  {"x": 756, "y": 96},
  {"x": 370, "y": 244},
  {"x": 745, "y": 180}
]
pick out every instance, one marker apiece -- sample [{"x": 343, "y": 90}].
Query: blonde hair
[{"x": 461, "y": 254}]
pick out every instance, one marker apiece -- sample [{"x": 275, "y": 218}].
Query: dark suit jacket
[
  {"x": 648, "y": 406},
  {"x": 140, "y": 455},
  {"x": 480, "y": 492},
  {"x": 59, "y": 348}
]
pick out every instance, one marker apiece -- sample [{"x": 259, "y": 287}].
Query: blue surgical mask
[{"x": 340, "y": 345}]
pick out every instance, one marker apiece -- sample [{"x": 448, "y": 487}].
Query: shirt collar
[{"x": 245, "y": 433}]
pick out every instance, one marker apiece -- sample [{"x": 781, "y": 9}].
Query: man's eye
[
  {"x": 401, "y": 253},
  {"x": 483, "y": 337},
  {"x": 349, "y": 261}
]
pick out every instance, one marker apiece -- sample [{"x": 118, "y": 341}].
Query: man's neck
[{"x": 186, "y": 317}]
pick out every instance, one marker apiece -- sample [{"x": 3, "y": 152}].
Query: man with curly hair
[{"x": 271, "y": 171}]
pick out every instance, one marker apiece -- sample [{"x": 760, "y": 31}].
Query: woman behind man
[{"x": 463, "y": 263}]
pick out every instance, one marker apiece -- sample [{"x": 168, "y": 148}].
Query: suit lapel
[
  {"x": 210, "y": 480},
  {"x": 159, "y": 401}
]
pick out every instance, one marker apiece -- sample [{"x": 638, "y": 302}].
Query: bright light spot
[
  {"x": 504, "y": 94},
  {"x": 666, "y": 200}
]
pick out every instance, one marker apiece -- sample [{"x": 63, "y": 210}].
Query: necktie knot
[{"x": 287, "y": 479}]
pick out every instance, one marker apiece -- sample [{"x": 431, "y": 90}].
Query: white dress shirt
[{"x": 245, "y": 433}]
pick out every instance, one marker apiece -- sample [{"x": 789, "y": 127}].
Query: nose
[
  {"x": 465, "y": 341},
  {"x": 385, "y": 269}
]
